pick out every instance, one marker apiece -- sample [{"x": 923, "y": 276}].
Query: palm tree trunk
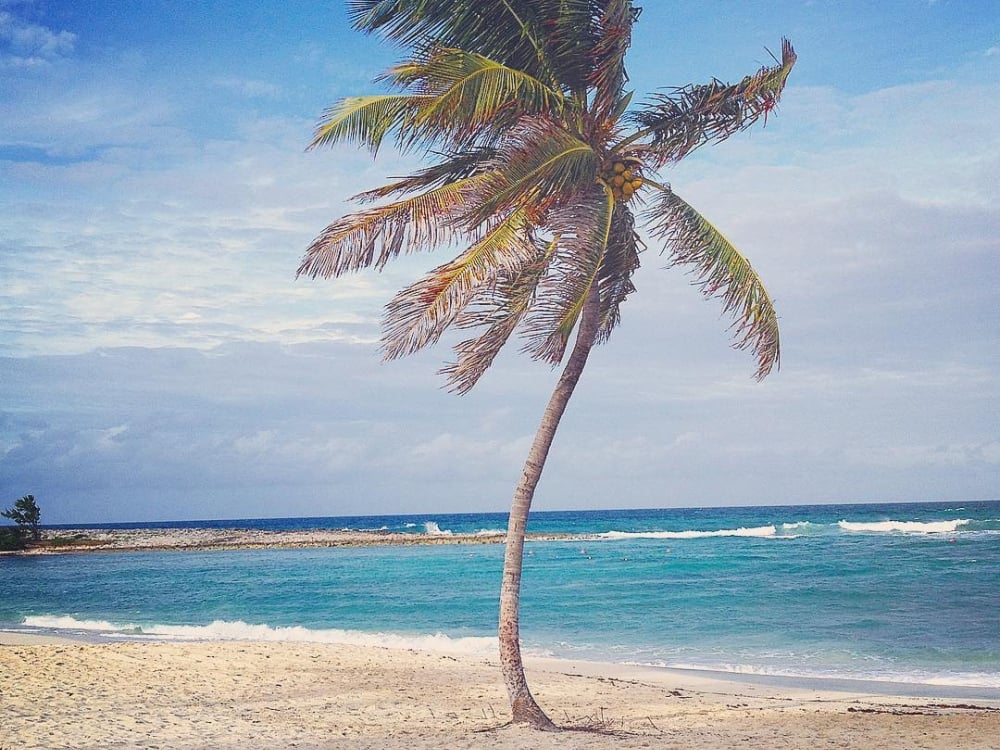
[{"x": 522, "y": 705}]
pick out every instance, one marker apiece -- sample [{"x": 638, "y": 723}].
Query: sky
[{"x": 160, "y": 361}]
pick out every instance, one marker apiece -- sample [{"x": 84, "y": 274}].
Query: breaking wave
[
  {"x": 796, "y": 529},
  {"x": 757, "y": 531},
  {"x": 432, "y": 529},
  {"x": 238, "y": 630},
  {"x": 905, "y": 527}
]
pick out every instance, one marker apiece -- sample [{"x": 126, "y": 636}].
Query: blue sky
[{"x": 158, "y": 359}]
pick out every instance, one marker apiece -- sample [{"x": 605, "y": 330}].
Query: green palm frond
[
  {"x": 555, "y": 41},
  {"x": 366, "y": 119},
  {"x": 374, "y": 236},
  {"x": 722, "y": 271},
  {"x": 453, "y": 97},
  {"x": 510, "y": 31},
  {"x": 469, "y": 93},
  {"x": 677, "y": 123},
  {"x": 419, "y": 314},
  {"x": 500, "y": 309},
  {"x": 584, "y": 227}
]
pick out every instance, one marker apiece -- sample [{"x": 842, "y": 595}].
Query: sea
[{"x": 904, "y": 594}]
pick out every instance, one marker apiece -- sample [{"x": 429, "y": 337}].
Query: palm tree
[{"x": 536, "y": 162}]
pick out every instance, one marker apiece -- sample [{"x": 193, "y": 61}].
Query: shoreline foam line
[{"x": 222, "y": 631}]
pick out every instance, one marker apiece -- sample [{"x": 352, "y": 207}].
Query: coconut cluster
[{"x": 623, "y": 179}]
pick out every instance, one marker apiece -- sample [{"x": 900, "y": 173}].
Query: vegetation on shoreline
[{"x": 27, "y": 515}]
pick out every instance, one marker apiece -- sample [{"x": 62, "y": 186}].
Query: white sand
[{"x": 295, "y": 695}]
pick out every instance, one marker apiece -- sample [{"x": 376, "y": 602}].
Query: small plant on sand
[{"x": 537, "y": 164}]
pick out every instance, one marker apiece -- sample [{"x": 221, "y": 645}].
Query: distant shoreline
[{"x": 76, "y": 541}]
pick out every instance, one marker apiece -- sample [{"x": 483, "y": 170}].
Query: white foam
[
  {"x": 238, "y": 630},
  {"x": 757, "y": 531},
  {"x": 432, "y": 528},
  {"x": 905, "y": 527},
  {"x": 477, "y": 646},
  {"x": 801, "y": 526},
  {"x": 58, "y": 622},
  {"x": 989, "y": 680}
]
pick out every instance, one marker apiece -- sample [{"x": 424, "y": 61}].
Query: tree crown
[
  {"x": 25, "y": 513},
  {"x": 537, "y": 161}
]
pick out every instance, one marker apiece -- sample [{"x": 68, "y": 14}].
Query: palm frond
[
  {"x": 584, "y": 226},
  {"x": 419, "y": 314},
  {"x": 455, "y": 166},
  {"x": 537, "y": 164},
  {"x": 468, "y": 93},
  {"x": 721, "y": 271},
  {"x": 366, "y": 119},
  {"x": 621, "y": 259},
  {"x": 608, "y": 75},
  {"x": 374, "y": 236},
  {"x": 500, "y": 309},
  {"x": 510, "y": 31},
  {"x": 677, "y": 123},
  {"x": 453, "y": 98},
  {"x": 571, "y": 33},
  {"x": 552, "y": 40}
]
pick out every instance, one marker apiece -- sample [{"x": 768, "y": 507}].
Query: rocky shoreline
[{"x": 67, "y": 541}]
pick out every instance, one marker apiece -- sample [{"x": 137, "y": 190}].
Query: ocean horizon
[{"x": 903, "y": 593}]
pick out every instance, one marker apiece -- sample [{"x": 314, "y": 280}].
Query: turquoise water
[{"x": 903, "y": 592}]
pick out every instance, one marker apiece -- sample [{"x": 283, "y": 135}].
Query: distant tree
[{"x": 26, "y": 515}]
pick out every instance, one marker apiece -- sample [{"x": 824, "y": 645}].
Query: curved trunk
[{"x": 523, "y": 706}]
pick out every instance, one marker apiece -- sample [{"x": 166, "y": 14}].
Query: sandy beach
[{"x": 299, "y": 695}]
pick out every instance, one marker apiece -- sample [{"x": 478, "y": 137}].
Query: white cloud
[
  {"x": 253, "y": 89},
  {"x": 924, "y": 456},
  {"x": 463, "y": 455},
  {"x": 27, "y": 45}
]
